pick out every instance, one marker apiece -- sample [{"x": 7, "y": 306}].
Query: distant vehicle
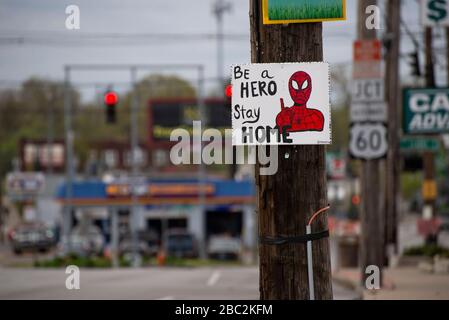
[
  {"x": 147, "y": 244},
  {"x": 32, "y": 237},
  {"x": 180, "y": 243},
  {"x": 85, "y": 241},
  {"x": 224, "y": 247}
]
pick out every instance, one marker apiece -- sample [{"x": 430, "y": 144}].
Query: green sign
[
  {"x": 420, "y": 144},
  {"x": 435, "y": 13},
  {"x": 302, "y": 11},
  {"x": 426, "y": 111}
]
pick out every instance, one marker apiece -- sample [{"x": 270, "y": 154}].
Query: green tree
[{"x": 24, "y": 114}]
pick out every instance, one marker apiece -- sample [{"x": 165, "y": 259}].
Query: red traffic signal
[
  {"x": 110, "y": 98},
  {"x": 355, "y": 200},
  {"x": 228, "y": 91}
]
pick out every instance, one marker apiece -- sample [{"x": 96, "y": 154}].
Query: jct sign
[{"x": 426, "y": 111}]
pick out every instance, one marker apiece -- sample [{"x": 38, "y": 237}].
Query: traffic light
[
  {"x": 228, "y": 91},
  {"x": 414, "y": 64},
  {"x": 110, "y": 101}
]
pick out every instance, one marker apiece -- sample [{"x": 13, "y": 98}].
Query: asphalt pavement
[{"x": 226, "y": 283}]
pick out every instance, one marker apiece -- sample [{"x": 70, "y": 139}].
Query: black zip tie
[{"x": 275, "y": 241}]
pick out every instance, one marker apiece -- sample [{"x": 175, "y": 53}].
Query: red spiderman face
[{"x": 300, "y": 86}]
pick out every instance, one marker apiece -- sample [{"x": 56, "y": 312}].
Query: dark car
[
  {"x": 180, "y": 244},
  {"x": 32, "y": 237}
]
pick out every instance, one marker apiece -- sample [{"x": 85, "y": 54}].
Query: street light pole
[{"x": 220, "y": 7}]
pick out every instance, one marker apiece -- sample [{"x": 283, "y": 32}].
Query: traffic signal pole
[
  {"x": 372, "y": 235},
  {"x": 287, "y": 200},
  {"x": 134, "y": 140}
]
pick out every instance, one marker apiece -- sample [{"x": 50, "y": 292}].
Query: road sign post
[{"x": 368, "y": 138}]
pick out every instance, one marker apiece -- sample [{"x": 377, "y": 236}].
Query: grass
[
  {"x": 194, "y": 263},
  {"x": 427, "y": 251},
  {"x": 303, "y": 9},
  {"x": 82, "y": 262},
  {"x": 102, "y": 262}
]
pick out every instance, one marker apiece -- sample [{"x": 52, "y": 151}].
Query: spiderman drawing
[{"x": 299, "y": 117}]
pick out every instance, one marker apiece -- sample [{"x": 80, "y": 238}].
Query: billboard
[
  {"x": 426, "y": 111},
  {"x": 166, "y": 115}
]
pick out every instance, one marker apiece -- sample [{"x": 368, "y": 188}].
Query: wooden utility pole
[
  {"x": 287, "y": 199},
  {"x": 372, "y": 235},
  {"x": 428, "y": 157},
  {"x": 392, "y": 90},
  {"x": 447, "y": 56}
]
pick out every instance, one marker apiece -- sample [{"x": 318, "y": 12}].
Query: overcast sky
[{"x": 47, "y": 45}]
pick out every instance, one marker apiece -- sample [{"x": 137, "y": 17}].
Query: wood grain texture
[{"x": 287, "y": 199}]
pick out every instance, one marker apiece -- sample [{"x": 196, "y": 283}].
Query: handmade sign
[
  {"x": 281, "y": 104},
  {"x": 302, "y": 11}
]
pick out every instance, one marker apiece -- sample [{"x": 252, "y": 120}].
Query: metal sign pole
[
  {"x": 310, "y": 264},
  {"x": 201, "y": 168},
  {"x": 67, "y": 218},
  {"x": 134, "y": 164}
]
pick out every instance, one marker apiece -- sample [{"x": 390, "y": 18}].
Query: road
[{"x": 227, "y": 283}]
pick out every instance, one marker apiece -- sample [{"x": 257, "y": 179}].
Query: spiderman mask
[{"x": 300, "y": 118}]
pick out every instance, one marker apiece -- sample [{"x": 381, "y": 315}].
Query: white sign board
[
  {"x": 368, "y": 141},
  {"x": 281, "y": 104},
  {"x": 367, "y": 90},
  {"x": 445, "y": 138},
  {"x": 435, "y": 13},
  {"x": 24, "y": 184},
  {"x": 371, "y": 111}
]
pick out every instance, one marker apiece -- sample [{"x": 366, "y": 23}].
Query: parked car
[
  {"x": 143, "y": 248},
  {"x": 224, "y": 247},
  {"x": 84, "y": 241},
  {"x": 180, "y": 243},
  {"x": 31, "y": 237},
  {"x": 147, "y": 244}
]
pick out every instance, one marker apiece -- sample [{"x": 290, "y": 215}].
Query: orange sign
[
  {"x": 429, "y": 190},
  {"x": 180, "y": 189},
  {"x": 161, "y": 190},
  {"x": 367, "y": 70},
  {"x": 367, "y": 50}
]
